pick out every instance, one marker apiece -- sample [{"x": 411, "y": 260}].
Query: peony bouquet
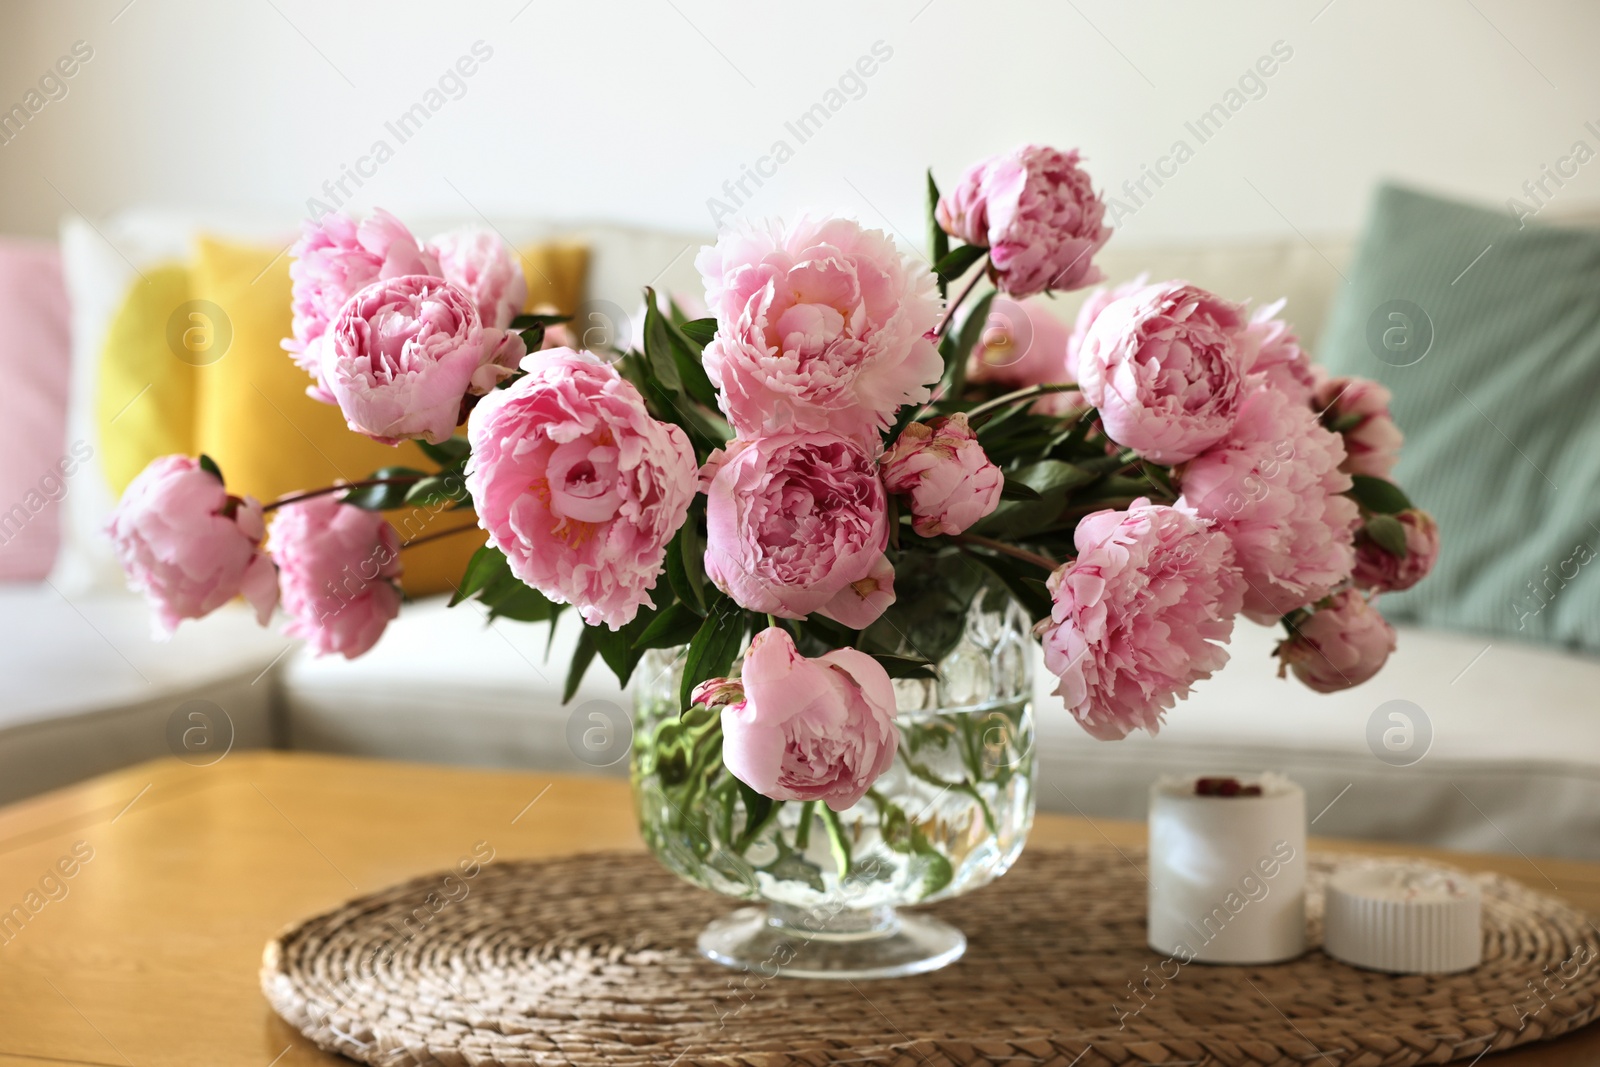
[{"x": 798, "y": 489}]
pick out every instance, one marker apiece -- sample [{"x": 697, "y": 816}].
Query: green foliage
[
  {"x": 700, "y": 331},
  {"x": 1388, "y": 533},
  {"x": 438, "y": 489},
  {"x": 714, "y": 646},
  {"x": 934, "y": 586},
  {"x": 622, "y": 649},
  {"x": 449, "y": 453},
  {"x": 938, "y": 240},
  {"x": 958, "y": 261},
  {"x": 386, "y": 497},
  {"x": 1377, "y": 495},
  {"x": 488, "y": 579}
]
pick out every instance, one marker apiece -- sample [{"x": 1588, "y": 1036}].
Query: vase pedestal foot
[{"x": 776, "y": 941}]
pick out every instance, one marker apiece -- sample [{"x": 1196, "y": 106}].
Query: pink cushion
[{"x": 35, "y": 367}]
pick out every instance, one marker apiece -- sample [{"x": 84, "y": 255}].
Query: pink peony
[
  {"x": 481, "y": 263},
  {"x": 824, "y": 326},
  {"x": 189, "y": 546},
  {"x": 1093, "y": 304},
  {"x": 405, "y": 352},
  {"x": 792, "y": 521},
  {"x": 333, "y": 258},
  {"x": 1342, "y": 644},
  {"x": 1141, "y": 615},
  {"x": 943, "y": 469},
  {"x": 859, "y": 604},
  {"x": 1164, "y": 369},
  {"x": 1037, "y": 213},
  {"x": 804, "y": 729},
  {"x": 337, "y": 566},
  {"x": 1381, "y": 570},
  {"x": 1021, "y": 344},
  {"x": 578, "y": 485},
  {"x": 1274, "y": 487},
  {"x": 1275, "y": 356},
  {"x": 1358, "y": 409}
]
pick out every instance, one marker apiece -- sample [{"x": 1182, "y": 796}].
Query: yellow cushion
[
  {"x": 145, "y": 400},
  {"x": 555, "y": 273},
  {"x": 254, "y": 418}
]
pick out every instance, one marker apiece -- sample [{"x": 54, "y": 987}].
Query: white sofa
[{"x": 1514, "y": 762}]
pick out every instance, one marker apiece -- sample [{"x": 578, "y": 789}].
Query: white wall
[{"x": 641, "y": 109}]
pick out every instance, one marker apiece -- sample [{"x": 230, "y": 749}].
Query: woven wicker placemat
[{"x": 590, "y": 960}]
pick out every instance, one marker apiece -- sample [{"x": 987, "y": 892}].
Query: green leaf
[
  {"x": 938, "y": 240},
  {"x": 486, "y": 564},
  {"x": 522, "y": 604},
  {"x": 972, "y": 329},
  {"x": 700, "y": 331},
  {"x": 1053, "y": 480},
  {"x": 956, "y": 350},
  {"x": 696, "y": 383},
  {"x": 446, "y": 453},
  {"x": 1015, "y": 490},
  {"x": 532, "y": 339},
  {"x": 621, "y": 648},
  {"x": 1025, "y": 585},
  {"x": 438, "y": 489},
  {"x": 757, "y": 807},
  {"x": 613, "y": 648},
  {"x": 674, "y": 625},
  {"x": 1378, "y": 495},
  {"x": 1051, "y": 475},
  {"x": 679, "y": 581},
  {"x": 1388, "y": 533},
  {"x": 933, "y": 592},
  {"x": 383, "y": 497},
  {"x": 523, "y": 322},
  {"x": 792, "y": 866},
  {"x": 658, "y": 344},
  {"x": 958, "y": 261},
  {"x": 707, "y": 432},
  {"x": 713, "y": 648},
  {"x": 582, "y": 656},
  {"x": 905, "y": 666},
  {"x": 936, "y": 870},
  {"x": 1341, "y": 423},
  {"x": 209, "y": 465},
  {"x": 691, "y": 559}
]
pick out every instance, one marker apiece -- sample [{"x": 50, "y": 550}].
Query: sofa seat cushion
[
  {"x": 1496, "y": 747},
  {"x": 1513, "y": 748},
  {"x": 443, "y": 685},
  {"x": 87, "y": 690}
]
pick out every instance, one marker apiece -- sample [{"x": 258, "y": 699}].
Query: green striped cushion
[{"x": 1501, "y": 412}]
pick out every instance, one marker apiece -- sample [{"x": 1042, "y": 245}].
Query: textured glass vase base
[{"x": 893, "y": 945}]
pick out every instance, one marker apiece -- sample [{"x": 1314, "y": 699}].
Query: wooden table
[{"x": 148, "y": 953}]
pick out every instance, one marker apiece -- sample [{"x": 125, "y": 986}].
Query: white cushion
[
  {"x": 1514, "y": 761},
  {"x": 87, "y": 690},
  {"x": 1513, "y": 736},
  {"x": 444, "y": 685}
]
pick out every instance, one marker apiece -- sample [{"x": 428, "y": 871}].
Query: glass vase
[{"x": 950, "y": 815}]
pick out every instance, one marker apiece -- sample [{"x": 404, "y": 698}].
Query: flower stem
[
  {"x": 1020, "y": 395},
  {"x": 802, "y": 833},
  {"x": 950, "y": 311},
  {"x": 415, "y": 541},
  {"x": 1035, "y": 558},
  {"x": 341, "y": 487}
]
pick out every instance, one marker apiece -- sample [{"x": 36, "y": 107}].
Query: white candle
[{"x": 1228, "y": 873}]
